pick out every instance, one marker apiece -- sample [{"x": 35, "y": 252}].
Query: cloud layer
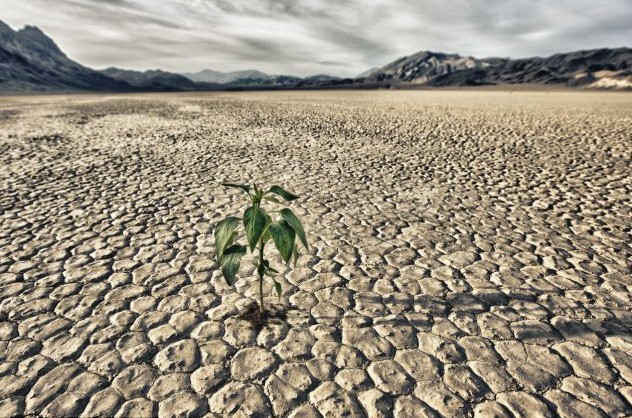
[{"x": 304, "y": 37}]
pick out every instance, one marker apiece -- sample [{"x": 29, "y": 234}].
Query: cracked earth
[{"x": 470, "y": 255}]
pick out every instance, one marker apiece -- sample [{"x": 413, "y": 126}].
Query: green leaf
[
  {"x": 272, "y": 199},
  {"x": 231, "y": 261},
  {"x": 224, "y": 235},
  {"x": 254, "y": 222},
  {"x": 283, "y": 236},
  {"x": 295, "y": 255},
  {"x": 271, "y": 272},
  {"x": 265, "y": 237},
  {"x": 278, "y": 288},
  {"x": 280, "y": 191},
  {"x": 244, "y": 187},
  {"x": 296, "y": 225},
  {"x": 266, "y": 234}
]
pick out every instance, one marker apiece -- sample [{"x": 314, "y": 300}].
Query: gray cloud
[{"x": 304, "y": 37}]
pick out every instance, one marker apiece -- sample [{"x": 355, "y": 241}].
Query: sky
[{"x": 306, "y": 37}]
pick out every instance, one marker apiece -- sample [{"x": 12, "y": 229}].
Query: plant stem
[{"x": 260, "y": 271}]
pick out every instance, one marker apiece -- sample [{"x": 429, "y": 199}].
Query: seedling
[{"x": 260, "y": 228}]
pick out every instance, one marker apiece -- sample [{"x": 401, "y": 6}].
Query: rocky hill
[
  {"x": 592, "y": 68},
  {"x": 31, "y": 61}
]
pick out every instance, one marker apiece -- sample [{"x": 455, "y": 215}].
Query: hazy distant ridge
[
  {"x": 210, "y": 76},
  {"x": 151, "y": 79},
  {"x": 31, "y": 61}
]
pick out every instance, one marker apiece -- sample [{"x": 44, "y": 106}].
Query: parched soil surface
[{"x": 470, "y": 255}]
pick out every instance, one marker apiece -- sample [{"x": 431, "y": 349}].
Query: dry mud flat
[{"x": 470, "y": 255}]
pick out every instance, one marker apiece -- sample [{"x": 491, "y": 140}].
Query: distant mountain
[
  {"x": 320, "y": 78},
  {"x": 423, "y": 66},
  {"x": 277, "y": 80},
  {"x": 367, "y": 73},
  {"x": 210, "y": 76},
  {"x": 249, "y": 78},
  {"x": 151, "y": 79},
  {"x": 31, "y": 61},
  {"x": 592, "y": 68}
]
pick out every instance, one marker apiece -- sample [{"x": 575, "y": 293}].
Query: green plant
[{"x": 260, "y": 228}]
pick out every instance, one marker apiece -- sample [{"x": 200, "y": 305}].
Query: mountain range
[
  {"x": 210, "y": 76},
  {"x": 593, "y": 68},
  {"x": 30, "y": 61}
]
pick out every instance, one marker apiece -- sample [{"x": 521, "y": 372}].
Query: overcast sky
[{"x": 304, "y": 37}]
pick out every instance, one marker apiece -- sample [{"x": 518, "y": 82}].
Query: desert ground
[{"x": 470, "y": 255}]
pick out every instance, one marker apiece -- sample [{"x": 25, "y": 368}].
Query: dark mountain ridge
[
  {"x": 591, "y": 68},
  {"x": 218, "y": 77},
  {"x": 151, "y": 79},
  {"x": 30, "y": 61}
]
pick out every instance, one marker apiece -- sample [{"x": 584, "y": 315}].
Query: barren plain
[{"x": 470, "y": 255}]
